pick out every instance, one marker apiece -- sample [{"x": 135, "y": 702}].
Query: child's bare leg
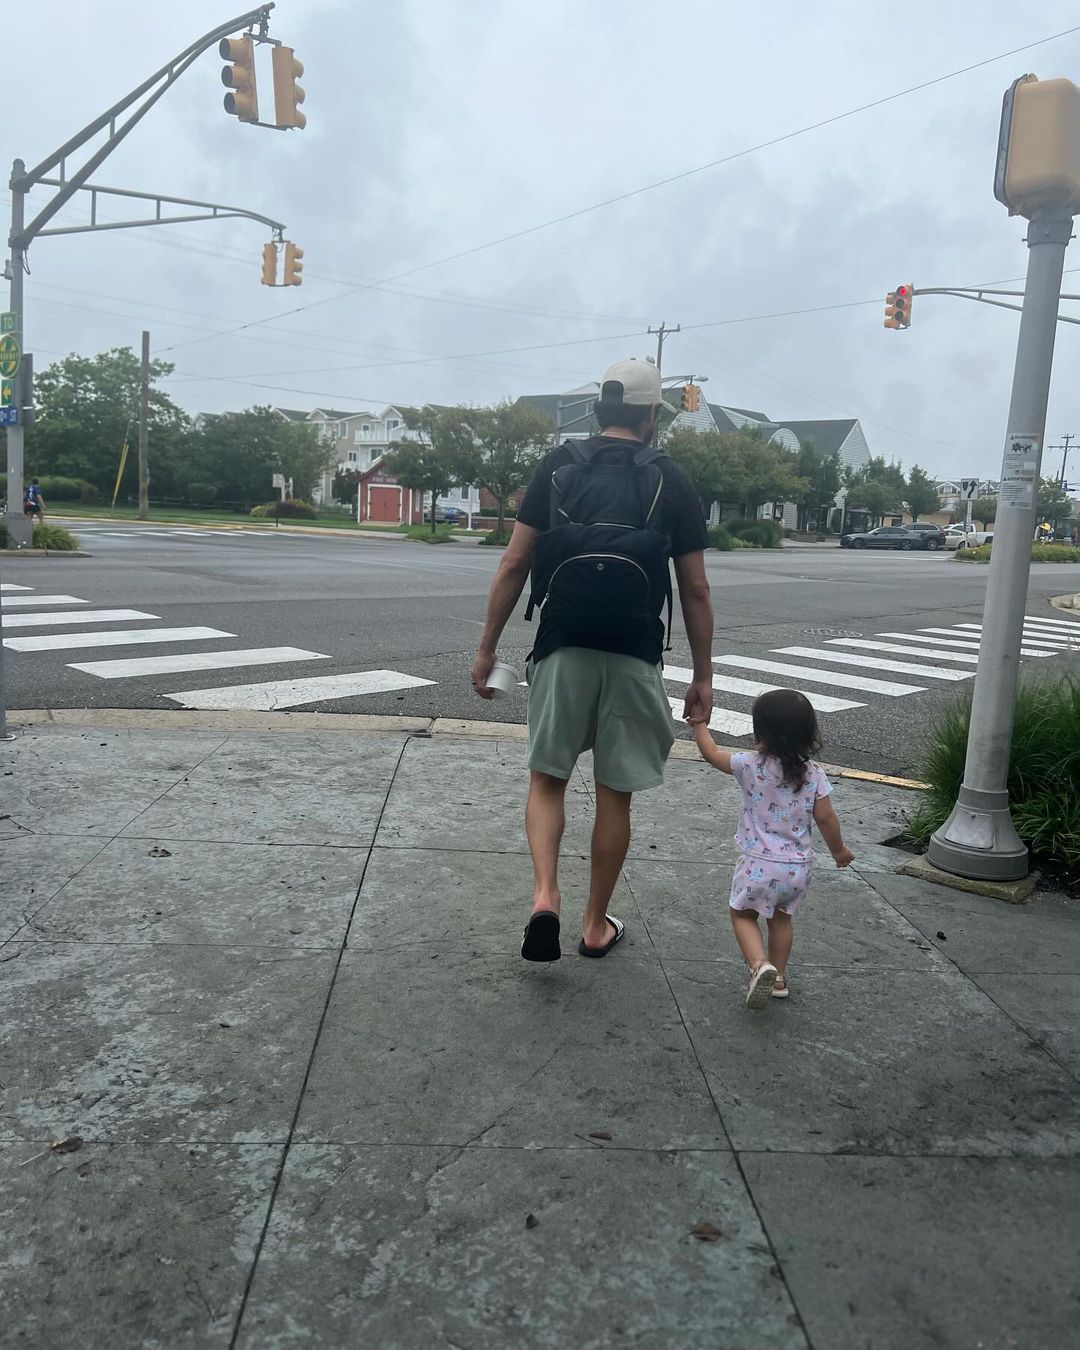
[
  {"x": 748, "y": 936},
  {"x": 781, "y": 934}
]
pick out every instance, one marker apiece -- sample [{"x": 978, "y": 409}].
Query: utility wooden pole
[
  {"x": 144, "y": 429},
  {"x": 661, "y": 333}
]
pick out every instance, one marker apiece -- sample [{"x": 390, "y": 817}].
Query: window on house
[
  {"x": 392, "y": 424},
  {"x": 366, "y": 426},
  {"x": 352, "y": 457},
  {"x": 342, "y": 430}
]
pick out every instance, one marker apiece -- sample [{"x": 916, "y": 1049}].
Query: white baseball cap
[{"x": 634, "y": 382}]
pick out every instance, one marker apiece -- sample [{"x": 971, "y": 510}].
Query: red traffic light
[{"x": 901, "y": 290}]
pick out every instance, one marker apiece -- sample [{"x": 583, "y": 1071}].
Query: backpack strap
[
  {"x": 648, "y": 454},
  {"x": 580, "y": 452}
]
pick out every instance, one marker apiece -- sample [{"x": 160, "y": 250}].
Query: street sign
[
  {"x": 9, "y": 417},
  {"x": 7, "y": 392},
  {"x": 7, "y": 321},
  {"x": 10, "y": 356},
  {"x": 969, "y": 489}
]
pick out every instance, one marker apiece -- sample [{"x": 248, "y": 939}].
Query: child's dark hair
[{"x": 786, "y": 729}]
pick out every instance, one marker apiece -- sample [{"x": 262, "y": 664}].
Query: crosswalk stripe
[
  {"x": 937, "y": 653},
  {"x": 964, "y": 644},
  {"x": 976, "y": 638},
  {"x": 840, "y": 677},
  {"x": 880, "y": 663},
  {"x": 171, "y": 665},
  {"x": 11, "y": 601},
  {"x": 10, "y": 586},
  {"x": 1061, "y": 644},
  {"x": 722, "y": 719},
  {"x": 274, "y": 694},
  {"x": 729, "y": 684},
  {"x": 58, "y": 618},
  {"x": 114, "y": 637},
  {"x": 1070, "y": 625}
]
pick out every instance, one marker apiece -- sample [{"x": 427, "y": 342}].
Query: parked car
[
  {"x": 957, "y": 537},
  {"x": 894, "y": 536},
  {"x": 444, "y": 515},
  {"x": 929, "y": 531}
]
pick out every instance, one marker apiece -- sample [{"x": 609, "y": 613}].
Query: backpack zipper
[{"x": 581, "y": 557}]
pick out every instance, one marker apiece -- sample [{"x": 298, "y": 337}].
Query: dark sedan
[{"x": 894, "y": 536}]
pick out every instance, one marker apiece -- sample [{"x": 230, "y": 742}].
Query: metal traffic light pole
[
  {"x": 979, "y": 838},
  {"x": 19, "y": 532}
]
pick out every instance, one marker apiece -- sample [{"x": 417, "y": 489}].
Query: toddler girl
[{"x": 782, "y": 789}]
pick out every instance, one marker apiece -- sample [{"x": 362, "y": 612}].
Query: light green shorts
[{"x": 613, "y": 705}]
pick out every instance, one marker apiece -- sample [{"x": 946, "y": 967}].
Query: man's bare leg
[
  {"x": 545, "y": 819},
  {"x": 610, "y": 840}
]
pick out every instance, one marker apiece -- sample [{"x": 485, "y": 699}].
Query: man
[
  {"x": 598, "y": 524},
  {"x": 34, "y": 502}
]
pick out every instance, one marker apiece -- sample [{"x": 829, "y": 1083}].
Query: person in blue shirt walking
[{"x": 34, "y": 502}]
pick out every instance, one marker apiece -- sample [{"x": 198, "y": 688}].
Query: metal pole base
[
  {"x": 979, "y": 839},
  {"x": 19, "y": 530}
]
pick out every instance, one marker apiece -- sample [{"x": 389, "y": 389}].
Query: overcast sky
[{"x": 435, "y": 126}]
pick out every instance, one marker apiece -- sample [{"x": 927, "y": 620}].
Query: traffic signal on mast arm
[
  {"x": 239, "y": 77},
  {"x": 293, "y": 266},
  {"x": 288, "y": 95},
  {"x": 269, "y": 265},
  {"x": 691, "y": 398},
  {"x": 898, "y": 307}
]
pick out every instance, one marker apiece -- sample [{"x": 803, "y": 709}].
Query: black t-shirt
[{"x": 682, "y": 520}]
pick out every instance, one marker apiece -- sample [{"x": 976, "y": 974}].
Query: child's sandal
[{"x": 780, "y": 987}]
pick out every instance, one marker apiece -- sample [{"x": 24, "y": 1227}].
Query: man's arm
[
  {"x": 696, "y": 601},
  {"x": 505, "y": 592}
]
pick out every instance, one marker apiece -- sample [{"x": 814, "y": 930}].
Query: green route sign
[
  {"x": 7, "y": 321},
  {"x": 10, "y": 356}
]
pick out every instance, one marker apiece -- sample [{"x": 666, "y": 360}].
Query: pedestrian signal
[{"x": 239, "y": 78}]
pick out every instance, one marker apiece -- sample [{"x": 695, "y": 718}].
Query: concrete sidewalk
[{"x": 272, "y": 980}]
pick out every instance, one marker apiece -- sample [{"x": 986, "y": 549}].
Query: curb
[
  {"x": 36, "y": 554},
  {"x": 183, "y": 719},
  {"x": 324, "y": 531}
]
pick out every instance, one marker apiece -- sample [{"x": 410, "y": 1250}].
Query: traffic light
[
  {"x": 288, "y": 95},
  {"x": 269, "y": 265},
  {"x": 898, "y": 307},
  {"x": 293, "y": 266},
  {"x": 691, "y": 398},
  {"x": 239, "y": 78}
]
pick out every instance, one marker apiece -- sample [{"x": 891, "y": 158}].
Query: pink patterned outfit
[{"x": 773, "y": 872}]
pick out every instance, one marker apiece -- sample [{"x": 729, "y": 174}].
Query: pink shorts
[{"x": 767, "y": 885}]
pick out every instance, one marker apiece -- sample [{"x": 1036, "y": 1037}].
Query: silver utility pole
[
  {"x": 19, "y": 526},
  {"x": 979, "y": 838},
  {"x": 144, "y": 428}
]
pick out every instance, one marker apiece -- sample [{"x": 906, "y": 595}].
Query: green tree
[
  {"x": 1053, "y": 504},
  {"x": 240, "y": 452},
  {"x": 773, "y": 472},
  {"x": 438, "y": 455},
  {"x": 984, "y": 510},
  {"x": 302, "y": 454},
  {"x": 88, "y": 405},
  {"x": 922, "y": 496},
  {"x": 507, "y": 442},
  {"x": 715, "y": 463},
  {"x": 823, "y": 472},
  {"x": 877, "y": 487}
]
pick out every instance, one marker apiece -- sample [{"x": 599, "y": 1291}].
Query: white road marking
[
  {"x": 9, "y": 602},
  {"x": 10, "y": 586},
  {"x": 937, "y": 653},
  {"x": 1069, "y": 625},
  {"x": 840, "y": 678},
  {"x": 56, "y": 619},
  {"x": 879, "y": 663},
  {"x": 114, "y": 637},
  {"x": 170, "y": 665},
  {"x": 290, "y": 693},
  {"x": 964, "y": 644},
  {"x": 723, "y": 720},
  {"x": 729, "y": 684},
  {"x": 1041, "y": 637}
]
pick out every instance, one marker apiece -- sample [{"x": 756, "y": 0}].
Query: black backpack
[{"x": 601, "y": 568}]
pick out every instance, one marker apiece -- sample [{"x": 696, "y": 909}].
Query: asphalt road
[{"x": 350, "y": 623}]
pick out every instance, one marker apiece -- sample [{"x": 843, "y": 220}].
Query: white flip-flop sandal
[{"x": 761, "y": 985}]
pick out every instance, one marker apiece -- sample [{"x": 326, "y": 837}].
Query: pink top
[{"x": 775, "y": 820}]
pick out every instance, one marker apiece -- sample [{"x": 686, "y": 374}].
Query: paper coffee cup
[{"x": 503, "y": 680}]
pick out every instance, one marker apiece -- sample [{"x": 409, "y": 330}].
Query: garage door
[{"x": 384, "y": 505}]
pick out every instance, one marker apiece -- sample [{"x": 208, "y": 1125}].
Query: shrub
[
  {"x": 1051, "y": 553},
  {"x": 54, "y": 538},
  {"x": 720, "y": 537},
  {"x": 55, "y": 488},
  {"x": 760, "y": 533},
  {"x": 202, "y": 494},
  {"x": 292, "y": 508},
  {"x": 422, "y": 534},
  {"x": 493, "y": 539},
  {"x": 1044, "y": 772}
]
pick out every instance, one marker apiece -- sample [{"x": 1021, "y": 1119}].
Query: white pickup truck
[{"x": 956, "y": 536}]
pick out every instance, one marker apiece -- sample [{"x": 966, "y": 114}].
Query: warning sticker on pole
[{"x": 1019, "y": 471}]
